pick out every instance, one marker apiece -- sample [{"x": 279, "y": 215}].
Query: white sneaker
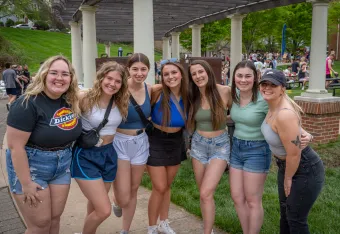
[
  {"x": 303, "y": 88},
  {"x": 152, "y": 229},
  {"x": 164, "y": 227}
]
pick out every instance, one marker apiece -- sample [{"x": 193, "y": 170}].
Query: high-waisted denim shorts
[
  {"x": 250, "y": 156},
  {"x": 46, "y": 167},
  {"x": 205, "y": 149}
]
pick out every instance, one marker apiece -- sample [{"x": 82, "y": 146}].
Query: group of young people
[
  {"x": 16, "y": 79},
  {"x": 144, "y": 127}
]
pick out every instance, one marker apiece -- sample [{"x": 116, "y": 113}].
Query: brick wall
[{"x": 321, "y": 120}]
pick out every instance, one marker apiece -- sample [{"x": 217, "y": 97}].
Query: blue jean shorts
[
  {"x": 250, "y": 156},
  {"x": 46, "y": 167},
  {"x": 94, "y": 163},
  {"x": 205, "y": 149}
]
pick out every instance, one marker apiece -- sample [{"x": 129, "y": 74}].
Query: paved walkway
[{"x": 73, "y": 216}]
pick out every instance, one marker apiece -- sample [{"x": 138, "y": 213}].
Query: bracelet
[{"x": 311, "y": 137}]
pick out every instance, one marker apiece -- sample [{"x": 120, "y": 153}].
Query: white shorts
[{"x": 132, "y": 148}]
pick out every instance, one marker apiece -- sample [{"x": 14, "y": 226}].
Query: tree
[
  {"x": 33, "y": 9},
  {"x": 333, "y": 15},
  {"x": 298, "y": 18},
  {"x": 214, "y": 35}
]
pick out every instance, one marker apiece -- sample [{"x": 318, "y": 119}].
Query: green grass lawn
[
  {"x": 324, "y": 216},
  {"x": 37, "y": 45}
]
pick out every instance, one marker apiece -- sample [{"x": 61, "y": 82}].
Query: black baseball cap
[{"x": 274, "y": 76}]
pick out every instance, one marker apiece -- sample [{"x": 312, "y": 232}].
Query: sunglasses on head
[{"x": 172, "y": 60}]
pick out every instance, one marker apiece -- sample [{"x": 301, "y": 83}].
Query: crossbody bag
[
  {"x": 90, "y": 138},
  {"x": 147, "y": 123}
]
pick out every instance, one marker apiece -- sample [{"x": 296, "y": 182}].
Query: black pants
[{"x": 306, "y": 187}]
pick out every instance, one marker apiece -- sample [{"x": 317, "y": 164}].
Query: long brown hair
[
  {"x": 211, "y": 93},
  {"x": 93, "y": 95},
  {"x": 165, "y": 91},
  {"x": 255, "y": 89}
]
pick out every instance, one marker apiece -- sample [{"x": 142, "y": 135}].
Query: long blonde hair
[
  {"x": 121, "y": 98},
  {"x": 295, "y": 106},
  {"x": 38, "y": 84}
]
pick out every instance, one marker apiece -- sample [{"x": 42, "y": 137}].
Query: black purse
[
  {"x": 90, "y": 138},
  {"x": 147, "y": 123}
]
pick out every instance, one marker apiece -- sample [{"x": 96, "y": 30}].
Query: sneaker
[
  {"x": 303, "y": 88},
  {"x": 164, "y": 227},
  {"x": 124, "y": 232},
  {"x": 117, "y": 210},
  {"x": 152, "y": 229}
]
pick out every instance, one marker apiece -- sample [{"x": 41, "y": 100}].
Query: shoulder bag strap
[
  {"x": 107, "y": 113},
  {"x": 139, "y": 111},
  {"x": 178, "y": 106}
]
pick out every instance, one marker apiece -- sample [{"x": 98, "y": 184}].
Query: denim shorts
[
  {"x": 205, "y": 149},
  {"x": 250, "y": 156},
  {"x": 134, "y": 149},
  {"x": 46, "y": 167},
  {"x": 94, "y": 163}
]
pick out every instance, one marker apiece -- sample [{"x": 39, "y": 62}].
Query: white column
[
  {"x": 89, "y": 44},
  {"x": 143, "y": 33},
  {"x": 236, "y": 41},
  {"x": 76, "y": 44},
  {"x": 175, "y": 44},
  {"x": 166, "y": 48},
  {"x": 108, "y": 49},
  {"x": 196, "y": 40},
  {"x": 318, "y": 51}
]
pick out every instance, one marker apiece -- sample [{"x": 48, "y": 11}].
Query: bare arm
[
  {"x": 288, "y": 128},
  {"x": 225, "y": 93},
  {"x": 330, "y": 66},
  {"x": 17, "y": 140}
]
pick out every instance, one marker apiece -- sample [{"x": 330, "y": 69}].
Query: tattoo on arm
[{"x": 297, "y": 142}]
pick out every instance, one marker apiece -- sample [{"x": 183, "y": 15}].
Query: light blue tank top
[{"x": 273, "y": 139}]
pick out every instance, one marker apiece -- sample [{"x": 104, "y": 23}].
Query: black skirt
[{"x": 166, "y": 149}]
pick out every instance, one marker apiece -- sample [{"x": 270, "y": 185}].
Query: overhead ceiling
[{"x": 114, "y": 18}]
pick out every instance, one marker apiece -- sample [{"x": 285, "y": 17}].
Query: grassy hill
[{"x": 36, "y": 45}]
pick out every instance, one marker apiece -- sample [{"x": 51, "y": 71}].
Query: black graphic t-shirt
[{"x": 51, "y": 122}]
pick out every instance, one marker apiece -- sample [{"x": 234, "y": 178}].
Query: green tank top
[{"x": 204, "y": 121}]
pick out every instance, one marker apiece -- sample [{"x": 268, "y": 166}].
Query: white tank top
[{"x": 93, "y": 118}]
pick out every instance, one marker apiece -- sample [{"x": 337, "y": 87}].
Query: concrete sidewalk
[{"x": 73, "y": 216}]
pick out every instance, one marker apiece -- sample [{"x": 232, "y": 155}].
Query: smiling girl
[
  {"x": 131, "y": 142},
  {"x": 41, "y": 127},
  {"x": 210, "y": 148},
  {"x": 95, "y": 168},
  {"x": 167, "y": 147}
]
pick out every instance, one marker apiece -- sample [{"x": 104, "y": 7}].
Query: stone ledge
[{"x": 317, "y": 100}]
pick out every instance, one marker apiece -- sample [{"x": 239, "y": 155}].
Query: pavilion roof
[{"x": 114, "y": 18}]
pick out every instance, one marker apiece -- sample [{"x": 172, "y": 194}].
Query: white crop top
[{"x": 95, "y": 117}]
